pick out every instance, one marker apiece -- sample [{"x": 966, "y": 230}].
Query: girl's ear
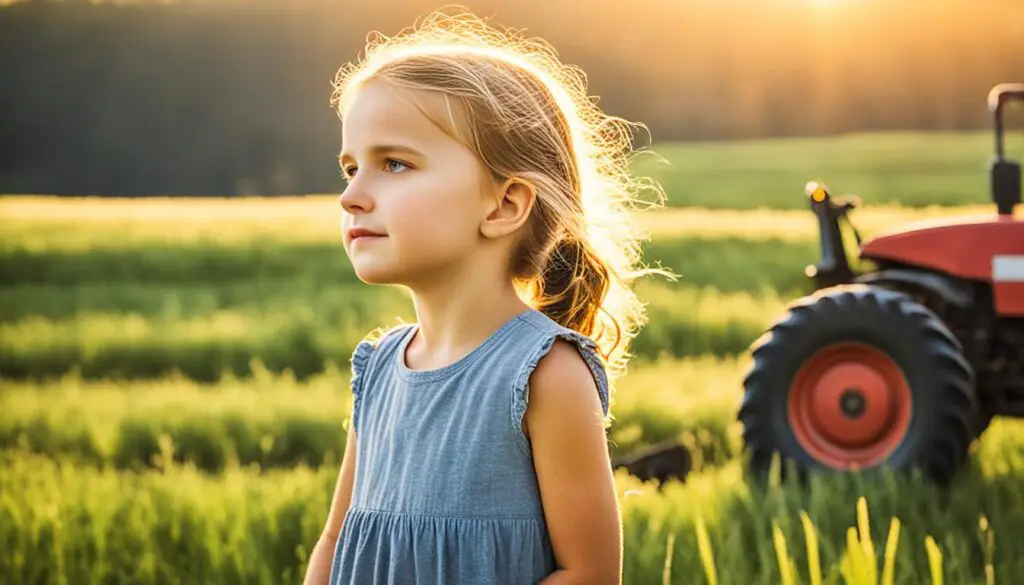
[{"x": 510, "y": 208}]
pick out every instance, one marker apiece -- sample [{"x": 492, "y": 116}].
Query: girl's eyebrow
[{"x": 385, "y": 148}]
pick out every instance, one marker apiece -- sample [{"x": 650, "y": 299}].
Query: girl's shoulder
[
  {"x": 375, "y": 342},
  {"x": 364, "y": 357},
  {"x": 540, "y": 348},
  {"x": 381, "y": 336},
  {"x": 549, "y": 332}
]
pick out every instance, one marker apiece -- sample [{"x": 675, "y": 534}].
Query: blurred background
[
  {"x": 177, "y": 313},
  {"x": 229, "y": 97}
]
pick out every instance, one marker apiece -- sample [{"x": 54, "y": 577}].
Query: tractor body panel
[{"x": 987, "y": 249}]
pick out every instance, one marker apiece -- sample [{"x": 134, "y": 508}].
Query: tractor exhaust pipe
[
  {"x": 1005, "y": 174},
  {"x": 833, "y": 268}
]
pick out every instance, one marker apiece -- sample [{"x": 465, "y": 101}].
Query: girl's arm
[
  {"x": 319, "y": 570},
  {"x": 565, "y": 425}
]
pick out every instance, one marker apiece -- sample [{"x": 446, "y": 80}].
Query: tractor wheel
[{"x": 855, "y": 377}]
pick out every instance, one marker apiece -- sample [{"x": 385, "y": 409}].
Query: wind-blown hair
[{"x": 525, "y": 114}]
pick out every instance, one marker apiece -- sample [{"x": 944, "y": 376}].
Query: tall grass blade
[
  {"x": 870, "y": 561},
  {"x": 989, "y": 545},
  {"x": 813, "y": 560},
  {"x": 934, "y": 559},
  {"x": 707, "y": 557},
  {"x": 891, "y": 543},
  {"x": 666, "y": 570},
  {"x": 785, "y": 563}
]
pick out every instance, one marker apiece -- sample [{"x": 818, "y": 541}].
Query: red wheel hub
[{"x": 849, "y": 406}]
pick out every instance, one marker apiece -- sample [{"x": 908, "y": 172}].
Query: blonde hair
[{"x": 527, "y": 115}]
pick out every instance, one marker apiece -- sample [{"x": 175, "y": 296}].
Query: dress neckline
[{"x": 435, "y": 374}]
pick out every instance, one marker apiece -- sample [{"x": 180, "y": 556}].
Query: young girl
[{"x": 481, "y": 179}]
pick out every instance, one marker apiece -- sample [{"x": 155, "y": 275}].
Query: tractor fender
[
  {"x": 950, "y": 290},
  {"x": 959, "y": 247}
]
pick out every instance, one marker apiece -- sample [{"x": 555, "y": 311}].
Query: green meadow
[{"x": 175, "y": 382}]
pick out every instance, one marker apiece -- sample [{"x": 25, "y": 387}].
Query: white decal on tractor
[{"x": 1008, "y": 268}]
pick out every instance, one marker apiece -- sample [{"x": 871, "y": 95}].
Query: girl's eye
[{"x": 391, "y": 166}]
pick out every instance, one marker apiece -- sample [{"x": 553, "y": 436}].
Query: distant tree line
[{"x": 226, "y": 97}]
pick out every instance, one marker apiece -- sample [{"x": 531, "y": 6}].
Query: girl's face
[{"x": 415, "y": 198}]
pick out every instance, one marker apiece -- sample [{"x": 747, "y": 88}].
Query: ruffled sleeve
[
  {"x": 521, "y": 396},
  {"x": 360, "y": 362}
]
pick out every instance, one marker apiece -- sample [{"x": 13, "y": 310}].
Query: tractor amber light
[{"x": 819, "y": 195}]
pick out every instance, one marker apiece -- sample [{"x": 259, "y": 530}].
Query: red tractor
[{"x": 905, "y": 363}]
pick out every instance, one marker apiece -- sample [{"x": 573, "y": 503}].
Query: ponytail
[{"x": 573, "y": 286}]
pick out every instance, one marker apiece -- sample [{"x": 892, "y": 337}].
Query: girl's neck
[{"x": 455, "y": 317}]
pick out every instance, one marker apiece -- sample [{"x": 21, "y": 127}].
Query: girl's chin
[
  {"x": 375, "y": 273},
  {"x": 375, "y": 276}
]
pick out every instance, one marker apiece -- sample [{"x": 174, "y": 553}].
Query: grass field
[
  {"x": 175, "y": 383},
  {"x": 909, "y": 169}
]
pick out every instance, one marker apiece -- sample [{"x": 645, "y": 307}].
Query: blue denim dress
[{"x": 445, "y": 489}]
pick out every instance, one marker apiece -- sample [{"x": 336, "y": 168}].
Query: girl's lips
[{"x": 360, "y": 233}]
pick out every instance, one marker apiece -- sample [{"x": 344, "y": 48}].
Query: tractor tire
[{"x": 859, "y": 377}]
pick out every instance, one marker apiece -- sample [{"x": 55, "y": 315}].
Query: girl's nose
[{"x": 355, "y": 200}]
